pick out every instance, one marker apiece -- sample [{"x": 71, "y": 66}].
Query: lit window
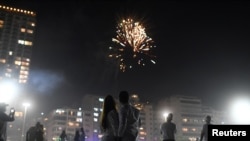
[
  {"x": 2, "y": 61},
  {"x": 24, "y": 72},
  {"x": 21, "y": 42},
  {"x": 1, "y": 23},
  {"x": 95, "y": 120},
  {"x": 60, "y": 111},
  {"x": 79, "y": 119},
  {"x": 22, "y": 81},
  {"x": 184, "y": 120},
  {"x": 101, "y": 99},
  {"x": 30, "y": 31},
  {"x": 25, "y": 64},
  {"x": 18, "y": 63},
  {"x": 33, "y": 24},
  {"x": 71, "y": 123},
  {"x": 23, "y": 29},
  {"x": 95, "y": 109},
  {"x": 28, "y": 43},
  {"x": 184, "y": 129},
  {"x": 79, "y": 113},
  {"x": 10, "y": 53},
  {"x": 96, "y": 114}
]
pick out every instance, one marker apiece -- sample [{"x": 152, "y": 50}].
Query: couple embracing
[{"x": 122, "y": 124}]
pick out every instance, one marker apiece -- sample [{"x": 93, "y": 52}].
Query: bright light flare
[
  {"x": 240, "y": 110},
  {"x": 8, "y": 90},
  {"x": 165, "y": 115},
  {"x": 26, "y": 104}
]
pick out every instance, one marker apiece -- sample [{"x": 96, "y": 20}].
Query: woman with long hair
[{"x": 109, "y": 119}]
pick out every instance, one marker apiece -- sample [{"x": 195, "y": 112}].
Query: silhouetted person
[
  {"x": 82, "y": 134},
  {"x": 77, "y": 136},
  {"x": 109, "y": 119},
  {"x": 63, "y": 136},
  {"x": 39, "y": 131},
  {"x": 204, "y": 131},
  {"x": 128, "y": 119},
  {"x": 35, "y": 133},
  {"x": 31, "y": 134},
  {"x": 4, "y": 118},
  {"x": 168, "y": 129}
]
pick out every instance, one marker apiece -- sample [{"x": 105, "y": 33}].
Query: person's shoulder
[
  {"x": 164, "y": 123},
  {"x": 173, "y": 123},
  {"x": 134, "y": 108}
]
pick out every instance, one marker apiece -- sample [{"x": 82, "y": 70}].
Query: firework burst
[{"x": 132, "y": 45}]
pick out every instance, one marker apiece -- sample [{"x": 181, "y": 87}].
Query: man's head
[
  {"x": 208, "y": 119},
  {"x": 124, "y": 97},
  {"x": 170, "y": 117},
  {"x": 3, "y": 107}
]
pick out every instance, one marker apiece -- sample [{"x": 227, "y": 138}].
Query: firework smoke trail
[{"x": 131, "y": 43}]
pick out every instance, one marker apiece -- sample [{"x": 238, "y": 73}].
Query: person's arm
[
  {"x": 122, "y": 121},
  {"x": 202, "y": 133},
  {"x": 175, "y": 130},
  {"x": 114, "y": 122},
  {"x": 161, "y": 129},
  {"x": 5, "y": 117}
]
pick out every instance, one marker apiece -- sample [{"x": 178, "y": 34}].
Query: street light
[
  {"x": 165, "y": 116},
  {"x": 26, "y": 105},
  {"x": 239, "y": 110}
]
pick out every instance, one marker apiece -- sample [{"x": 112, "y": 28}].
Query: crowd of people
[
  {"x": 116, "y": 124},
  {"x": 123, "y": 124}
]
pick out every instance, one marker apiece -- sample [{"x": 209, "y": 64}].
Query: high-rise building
[
  {"x": 92, "y": 107},
  {"x": 66, "y": 119},
  {"x": 146, "y": 130},
  {"x": 189, "y": 114},
  {"x": 17, "y": 28}
]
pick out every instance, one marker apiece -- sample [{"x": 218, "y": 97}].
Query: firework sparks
[{"x": 132, "y": 45}]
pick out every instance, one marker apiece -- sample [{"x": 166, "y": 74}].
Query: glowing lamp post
[
  {"x": 240, "y": 110},
  {"x": 26, "y": 105},
  {"x": 165, "y": 116}
]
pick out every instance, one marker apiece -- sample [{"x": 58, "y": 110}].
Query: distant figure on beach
[
  {"x": 129, "y": 120},
  {"x": 168, "y": 129},
  {"x": 35, "y": 133},
  {"x": 82, "y": 134},
  {"x": 63, "y": 136},
  {"x": 77, "y": 136},
  {"x": 109, "y": 119},
  {"x": 204, "y": 131}
]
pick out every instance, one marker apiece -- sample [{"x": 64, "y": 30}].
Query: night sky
[{"x": 202, "y": 50}]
